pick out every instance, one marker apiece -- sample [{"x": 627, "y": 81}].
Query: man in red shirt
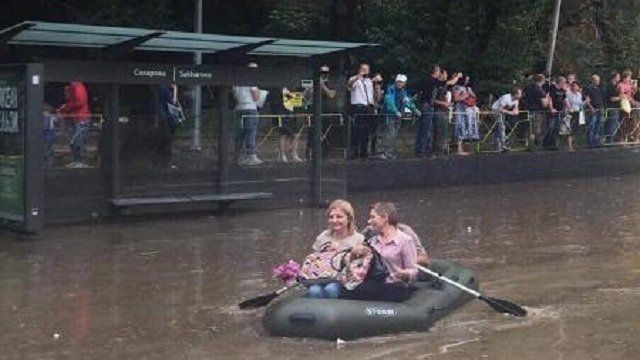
[{"x": 76, "y": 110}]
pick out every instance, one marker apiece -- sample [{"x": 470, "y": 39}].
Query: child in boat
[{"x": 340, "y": 235}]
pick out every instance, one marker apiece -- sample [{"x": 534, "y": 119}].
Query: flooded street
[{"x": 168, "y": 288}]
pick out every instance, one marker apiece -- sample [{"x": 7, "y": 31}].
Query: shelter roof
[{"x": 35, "y": 33}]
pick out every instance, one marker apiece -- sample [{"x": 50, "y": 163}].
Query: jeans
[
  {"x": 364, "y": 126},
  {"x": 391, "y": 125},
  {"x": 167, "y": 131},
  {"x": 424, "y": 136},
  {"x": 539, "y": 126},
  {"x": 326, "y": 291},
  {"x": 246, "y": 132},
  {"x": 48, "y": 152},
  {"x": 612, "y": 125},
  {"x": 594, "y": 120},
  {"x": 500, "y": 133},
  {"x": 79, "y": 139},
  {"x": 460, "y": 117},
  {"x": 440, "y": 138},
  {"x": 550, "y": 130}
]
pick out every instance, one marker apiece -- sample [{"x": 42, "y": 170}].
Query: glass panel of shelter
[
  {"x": 158, "y": 158},
  {"x": 285, "y": 127},
  {"x": 72, "y": 126},
  {"x": 158, "y": 152}
]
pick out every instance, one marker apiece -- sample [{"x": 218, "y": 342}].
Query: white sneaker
[
  {"x": 284, "y": 159},
  {"x": 253, "y": 160},
  {"x": 297, "y": 158},
  {"x": 76, "y": 165}
]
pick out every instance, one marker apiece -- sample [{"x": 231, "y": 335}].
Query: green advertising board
[
  {"x": 12, "y": 205},
  {"x": 12, "y": 145}
]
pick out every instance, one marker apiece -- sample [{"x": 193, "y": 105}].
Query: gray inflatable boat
[{"x": 298, "y": 316}]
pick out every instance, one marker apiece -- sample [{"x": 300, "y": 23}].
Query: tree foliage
[{"x": 497, "y": 42}]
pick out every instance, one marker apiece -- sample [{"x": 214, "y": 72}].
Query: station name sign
[
  {"x": 141, "y": 72},
  {"x": 170, "y": 74},
  {"x": 191, "y": 74},
  {"x": 9, "y": 112},
  {"x": 223, "y": 75}
]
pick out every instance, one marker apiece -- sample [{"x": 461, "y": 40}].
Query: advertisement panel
[{"x": 12, "y": 145}]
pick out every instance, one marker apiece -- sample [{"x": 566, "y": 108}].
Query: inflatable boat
[{"x": 299, "y": 316}]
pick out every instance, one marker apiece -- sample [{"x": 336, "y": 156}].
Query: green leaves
[{"x": 495, "y": 41}]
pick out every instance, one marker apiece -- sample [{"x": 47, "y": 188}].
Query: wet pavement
[{"x": 168, "y": 288}]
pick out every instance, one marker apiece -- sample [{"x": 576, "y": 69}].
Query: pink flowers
[{"x": 287, "y": 272}]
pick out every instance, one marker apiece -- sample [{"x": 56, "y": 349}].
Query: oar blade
[
  {"x": 505, "y": 306},
  {"x": 259, "y": 301}
]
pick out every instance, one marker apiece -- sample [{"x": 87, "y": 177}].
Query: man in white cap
[{"x": 396, "y": 102}]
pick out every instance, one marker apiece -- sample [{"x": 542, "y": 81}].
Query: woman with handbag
[
  {"x": 171, "y": 113},
  {"x": 465, "y": 126},
  {"x": 392, "y": 264},
  {"x": 320, "y": 268}
]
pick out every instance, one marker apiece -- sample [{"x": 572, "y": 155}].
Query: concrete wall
[
  {"x": 491, "y": 169},
  {"x": 82, "y": 195}
]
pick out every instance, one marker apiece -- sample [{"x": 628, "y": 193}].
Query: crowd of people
[
  {"x": 557, "y": 110},
  {"x": 447, "y": 113},
  {"x": 444, "y": 106},
  {"x": 560, "y": 107}
]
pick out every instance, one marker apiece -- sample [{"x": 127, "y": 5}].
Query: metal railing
[
  {"x": 517, "y": 130},
  {"x": 294, "y": 127},
  {"x": 527, "y": 131},
  {"x": 624, "y": 127},
  {"x": 59, "y": 134}
]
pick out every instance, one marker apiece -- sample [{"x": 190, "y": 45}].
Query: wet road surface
[{"x": 167, "y": 289}]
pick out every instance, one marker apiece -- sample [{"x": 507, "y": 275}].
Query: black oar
[
  {"x": 499, "y": 305},
  {"x": 263, "y": 300}
]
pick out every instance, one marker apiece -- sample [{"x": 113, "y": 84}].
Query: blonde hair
[{"x": 347, "y": 209}]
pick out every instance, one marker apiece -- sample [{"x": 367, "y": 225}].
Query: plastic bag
[
  {"x": 581, "y": 119},
  {"x": 176, "y": 115},
  {"x": 565, "y": 125},
  {"x": 625, "y": 105}
]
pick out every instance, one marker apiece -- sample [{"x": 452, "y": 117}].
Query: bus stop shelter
[{"x": 119, "y": 65}]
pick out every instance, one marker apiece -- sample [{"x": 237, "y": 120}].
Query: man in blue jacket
[{"x": 396, "y": 101}]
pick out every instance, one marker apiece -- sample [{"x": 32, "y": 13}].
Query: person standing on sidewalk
[
  {"x": 536, "y": 100},
  {"x": 363, "y": 100},
  {"x": 247, "y": 98},
  {"x": 594, "y": 103},
  {"x": 396, "y": 100},
  {"x": 427, "y": 90},
  {"x": 505, "y": 109},
  {"x": 76, "y": 110}
]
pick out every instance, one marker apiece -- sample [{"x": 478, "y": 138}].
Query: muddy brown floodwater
[{"x": 168, "y": 288}]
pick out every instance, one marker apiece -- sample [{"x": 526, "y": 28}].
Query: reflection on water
[{"x": 167, "y": 289}]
